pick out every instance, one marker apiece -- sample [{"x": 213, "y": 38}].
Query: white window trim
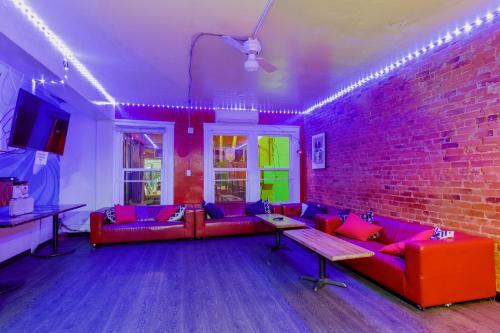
[
  {"x": 252, "y": 132},
  {"x": 167, "y": 185}
]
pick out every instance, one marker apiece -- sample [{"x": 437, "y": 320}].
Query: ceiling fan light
[{"x": 251, "y": 64}]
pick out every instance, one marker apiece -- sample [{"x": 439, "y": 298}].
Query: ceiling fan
[{"x": 251, "y": 46}]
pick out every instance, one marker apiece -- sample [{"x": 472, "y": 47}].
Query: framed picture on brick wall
[{"x": 318, "y": 151}]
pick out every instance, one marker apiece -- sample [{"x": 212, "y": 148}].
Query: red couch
[
  {"x": 101, "y": 231},
  {"x": 433, "y": 272},
  {"x": 235, "y": 221}
]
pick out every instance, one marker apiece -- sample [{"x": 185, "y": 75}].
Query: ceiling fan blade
[
  {"x": 267, "y": 66},
  {"x": 234, "y": 43},
  {"x": 262, "y": 17}
]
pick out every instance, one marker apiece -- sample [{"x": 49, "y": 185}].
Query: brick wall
[{"x": 422, "y": 144}]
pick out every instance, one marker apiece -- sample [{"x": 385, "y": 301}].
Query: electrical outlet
[
  {"x": 188, "y": 173},
  {"x": 190, "y": 130}
]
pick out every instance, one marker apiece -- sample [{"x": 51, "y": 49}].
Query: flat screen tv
[{"x": 38, "y": 124}]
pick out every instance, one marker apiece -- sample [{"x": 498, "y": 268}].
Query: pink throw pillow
[
  {"x": 398, "y": 249},
  {"x": 125, "y": 214},
  {"x": 356, "y": 228},
  {"x": 165, "y": 213}
]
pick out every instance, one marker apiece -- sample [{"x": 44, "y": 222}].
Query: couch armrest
[
  {"x": 327, "y": 222},
  {"x": 97, "y": 219},
  {"x": 292, "y": 209},
  {"x": 448, "y": 271},
  {"x": 189, "y": 220},
  {"x": 199, "y": 218}
]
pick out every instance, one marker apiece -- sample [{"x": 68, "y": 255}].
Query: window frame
[
  {"x": 167, "y": 171},
  {"x": 252, "y": 132}
]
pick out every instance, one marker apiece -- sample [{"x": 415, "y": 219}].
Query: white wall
[
  {"x": 104, "y": 165},
  {"x": 78, "y": 172}
]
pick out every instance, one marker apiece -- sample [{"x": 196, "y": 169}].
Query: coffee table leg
[
  {"x": 278, "y": 245},
  {"x": 322, "y": 280}
]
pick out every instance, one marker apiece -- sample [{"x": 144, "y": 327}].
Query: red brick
[{"x": 421, "y": 144}]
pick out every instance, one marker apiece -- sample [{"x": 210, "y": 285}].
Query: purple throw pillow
[
  {"x": 213, "y": 211},
  {"x": 255, "y": 208},
  {"x": 313, "y": 209}
]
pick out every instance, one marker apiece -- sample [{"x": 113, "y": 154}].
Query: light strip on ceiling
[
  {"x": 57, "y": 42},
  {"x": 210, "y": 108},
  {"x": 448, "y": 37}
]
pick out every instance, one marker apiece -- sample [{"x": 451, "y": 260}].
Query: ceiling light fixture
[
  {"x": 57, "y": 43},
  {"x": 489, "y": 17}
]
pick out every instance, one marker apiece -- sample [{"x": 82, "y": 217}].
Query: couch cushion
[
  {"x": 395, "y": 230},
  {"x": 234, "y": 219},
  {"x": 232, "y": 208},
  {"x": 141, "y": 225},
  {"x": 386, "y": 269},
  {"x": 124, "y": 214}
]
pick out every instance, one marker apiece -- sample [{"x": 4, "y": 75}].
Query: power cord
[{"x": 194, "y": 41}]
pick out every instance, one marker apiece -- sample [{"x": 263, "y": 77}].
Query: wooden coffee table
[
  {"x": 280, "y": 223},
  {"x": 327, "y": 247}
]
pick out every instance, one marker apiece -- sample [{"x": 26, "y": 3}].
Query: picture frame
[{"x": 318, "y": 149}]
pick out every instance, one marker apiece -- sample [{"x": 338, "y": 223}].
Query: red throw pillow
[
  {"x": 356, "y": 228},
  {"x": 125, "y": 214},
  {"x": 398, "y": 249},
  {"x": 165, "y": 213}
]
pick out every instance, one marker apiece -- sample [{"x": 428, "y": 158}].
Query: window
[
  {"x": 248, "y": 163},
  {"x": 274, "y": 165},
  {"x": 230, "y": 167},
  {"x": 142, "y": 168},
  {"x": 144, "y": 165}
]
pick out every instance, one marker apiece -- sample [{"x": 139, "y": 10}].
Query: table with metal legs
[
  {"x": 326, "y": 247},
  {"x": 54, "y": 250},
  {"x": 322, "y": 280},
  {"x": 39, "y": 213},
  {"x": 280, "y": 223}
]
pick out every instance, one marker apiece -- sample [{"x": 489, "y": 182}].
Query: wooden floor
[{"x": 217, "y": 285}]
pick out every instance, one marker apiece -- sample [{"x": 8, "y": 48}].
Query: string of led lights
[
  {"x": 206, "y": 107},
  {"x": 57, "y": 43},
  {"x": 448, "y": 37}
]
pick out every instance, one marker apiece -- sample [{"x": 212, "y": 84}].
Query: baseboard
[
  {"x": 9, "y": 261},
  {"x": 497, "y": 298},
  {"x": 77, "y": 234},
  {"x": 23, "y": 254}
]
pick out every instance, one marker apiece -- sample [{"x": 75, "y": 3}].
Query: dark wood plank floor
[{"x": 217, "y": 285}]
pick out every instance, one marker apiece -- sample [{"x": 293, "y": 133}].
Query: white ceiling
[{"x": 139, "y": 49}]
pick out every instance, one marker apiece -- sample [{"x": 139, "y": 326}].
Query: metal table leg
[
  {"x": 54, "y": 251},
  {"x": 322, "y": 280},
  {"x": 278, "y": 245}
]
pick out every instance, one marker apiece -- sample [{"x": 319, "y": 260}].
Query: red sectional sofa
[
  {"x": 433, "y": 272},
  {"x": 235, "y": 221},
  {"x": 101, "y": 231}
]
